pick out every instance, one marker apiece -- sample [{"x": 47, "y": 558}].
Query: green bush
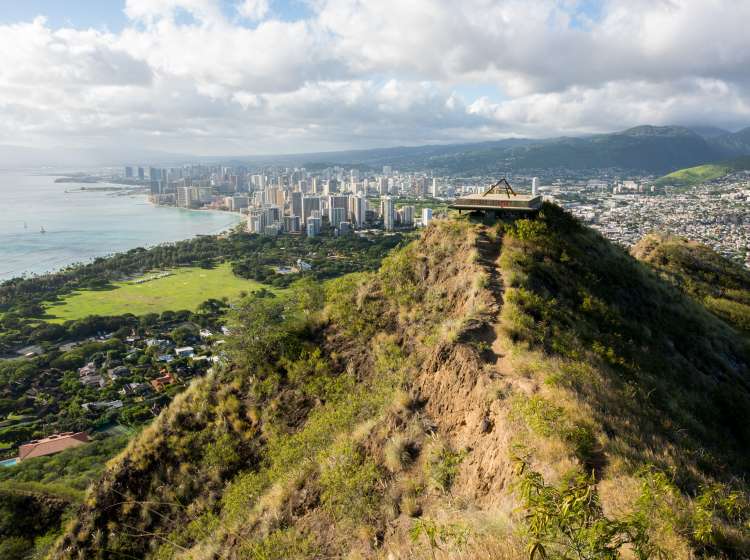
[
  {"x": 348, "y": 482},
  {"x": 566, "y": 522}
]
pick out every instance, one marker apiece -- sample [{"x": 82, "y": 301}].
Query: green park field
[{"x": 183, "y": 288}]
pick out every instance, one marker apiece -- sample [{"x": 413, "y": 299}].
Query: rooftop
[
  {"x": 500, "y": 197},
  {"x": 52, "y": 444}
]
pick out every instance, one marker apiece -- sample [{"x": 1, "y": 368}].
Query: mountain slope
[
  {"x": 734, "y": 143},
  {"x": 647, "y": 148},
  {"x": 718, "y": 283},
  {"x": 452, "y": 403},
  {"x": 651, "y": 149},
  {"x": 703, "y": 173}
]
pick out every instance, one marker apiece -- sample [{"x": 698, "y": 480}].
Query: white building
[{"x": 388, "y": 213}]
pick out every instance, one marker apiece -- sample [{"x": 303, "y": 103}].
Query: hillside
[
  {"x": 646, "y": 148},
  {"x": 490, "y": 392},
  {"x": 651, "y": 149},
  {"x": 718, "y": 283},
  {"x": 701, "y": 173}
]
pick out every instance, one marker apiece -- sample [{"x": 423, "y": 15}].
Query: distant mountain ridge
[
  {"x": 650, "y": 149},
  {"x": 646, "y": 148}
]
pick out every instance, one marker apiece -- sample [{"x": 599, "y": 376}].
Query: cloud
[
  {"x": 204, "y": 76},
  {"x": 253, "y": 9}
]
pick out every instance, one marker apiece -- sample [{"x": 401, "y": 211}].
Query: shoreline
[{"x": 21, "y": 265}]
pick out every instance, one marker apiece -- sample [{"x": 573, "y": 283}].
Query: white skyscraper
[
  {"x": 389, "y": 216},
  {"x": 358, "y": 210},
  {"x": 534, "y": 185},
  {"x": 434, "y": 190},
  {"x": 426, "y": 216}
]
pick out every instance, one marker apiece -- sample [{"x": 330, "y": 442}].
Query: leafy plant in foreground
[{"x": 566, "y": 522}]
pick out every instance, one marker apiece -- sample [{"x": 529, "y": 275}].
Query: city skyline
[{"x": 211, "y": 77}]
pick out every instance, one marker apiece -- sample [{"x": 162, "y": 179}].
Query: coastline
[{"x": 80, "y": 229}]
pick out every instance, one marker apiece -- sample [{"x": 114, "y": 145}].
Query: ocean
[{"x": 82, "y": 225}]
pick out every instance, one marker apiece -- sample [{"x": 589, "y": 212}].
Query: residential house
[
  {"x": 51, "y": 444},
  {"x": 160, "y": 383},
  {"x": 185, "y": 352}
]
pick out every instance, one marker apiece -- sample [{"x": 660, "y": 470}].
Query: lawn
[{"x": 183, "y": 288}]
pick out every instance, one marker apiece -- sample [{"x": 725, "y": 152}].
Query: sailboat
[{"x": 42, "y": 230}]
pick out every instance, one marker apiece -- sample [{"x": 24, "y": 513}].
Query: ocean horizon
[{"x": 46, "y": 226}]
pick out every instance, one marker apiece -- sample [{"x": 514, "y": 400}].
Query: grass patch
[
  {"x": 184, "y": 288},
  {"x": 701, "y": 173}
]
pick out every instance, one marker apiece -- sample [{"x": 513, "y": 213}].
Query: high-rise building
[
  {"x": 256, "y": 221},
  {"x": 358, "y": 210},
  {"x": 295, "y": 204},
  {"x": 387, "y": 170},
  {"x": 292, "y": 224},
  {"x": 205, "y": 194},
  {"x": 239, "y": 202},
  {"x": 331, "y": 186},
  {"x": 313, "y": 224},
  {"x": 185, "y": 197},
  {"x": 310, "y": 204},
  {"x": 337, "y": 215},
  {"x": 406, "y": 216},
  {"x": 387, "y": 211},
  {"x": 338, "y": 201},
  {"x": 141, "y": 173},
  {"x": 434, "y": 190},
  {"x": 382, "y": 186},
  {"x": 420, "y": 187},
  {"x": 129, "y": 172},
  {"x": 534, "y": 186},
  {"x": 426, "y": 216}
]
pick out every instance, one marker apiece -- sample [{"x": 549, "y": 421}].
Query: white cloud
[
  {"x": 254, "y": 9},
  {"x": 188, "y": 75}
]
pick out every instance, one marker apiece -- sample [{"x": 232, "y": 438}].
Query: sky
[{"x": 244, "y": 77}]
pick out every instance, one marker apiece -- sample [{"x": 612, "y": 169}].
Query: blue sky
[{"x": 110, "y": 14}]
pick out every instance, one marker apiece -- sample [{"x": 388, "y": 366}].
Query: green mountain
[
  {"x": 701, "y": 173},
  {"x": 646, "y": 148},
  {"x": 492, "y": 391},
  {"x": 651, "y": 149}
]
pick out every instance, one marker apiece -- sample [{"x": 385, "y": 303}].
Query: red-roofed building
[
  {"x": 52, "y": 444},
  {"x": 160, "y": 383}
]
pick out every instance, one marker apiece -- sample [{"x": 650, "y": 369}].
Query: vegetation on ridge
[
  {"x": 690, "y": 176},
  {"x": 384, "y": 414},
  {"x": 719, "y": 284}
]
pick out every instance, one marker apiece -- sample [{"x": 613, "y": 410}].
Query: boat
[{"x": 42, "y": 230}]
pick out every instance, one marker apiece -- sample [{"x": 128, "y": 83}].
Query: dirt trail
[{"x": 489, "y": 253}]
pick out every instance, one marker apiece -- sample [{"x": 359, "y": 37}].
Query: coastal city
[{"x": 297, "y": 201}]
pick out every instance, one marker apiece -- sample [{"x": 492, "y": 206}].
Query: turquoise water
[
  {"x": 83, "y": 225},
  {"x": 9, "y": 462}
]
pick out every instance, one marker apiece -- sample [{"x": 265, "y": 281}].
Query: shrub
[
  {"x": 567, "y": 521},
  {"x": 397, "y": 454},
  {"x": 349, "y": 483},
  {"x": 282, "y": 544},
  {"x": 443, "y": 465}
]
